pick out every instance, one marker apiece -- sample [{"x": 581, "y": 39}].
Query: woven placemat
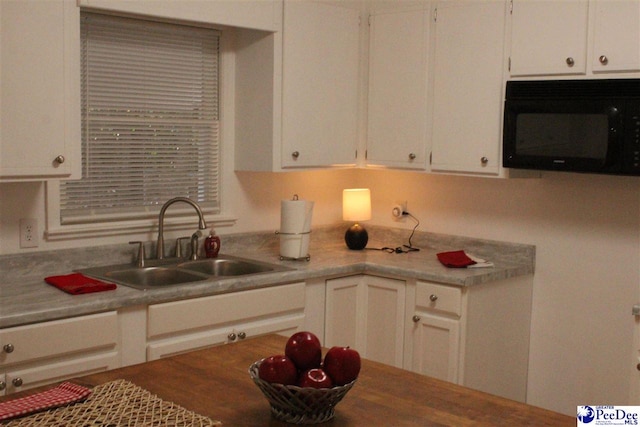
[{"x": 117, "y": 403}]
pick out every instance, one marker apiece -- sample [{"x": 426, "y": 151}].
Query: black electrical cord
[
  {"x": 410, "y": 247},
  {"x": 404, "y": 248}
]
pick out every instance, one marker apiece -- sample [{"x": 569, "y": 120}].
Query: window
[{"x": 150, "y": 119}]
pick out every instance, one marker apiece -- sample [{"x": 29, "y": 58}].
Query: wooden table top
[{"x": 215, "y": 382}]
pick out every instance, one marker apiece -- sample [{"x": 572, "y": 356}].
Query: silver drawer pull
[
  {"x": 8, "y": 348},
  {"x": 433, "y": 297},
  {"x": 17, "y": 382},
  {"x": 242, "y": 335},
  {"x": 415, "y": 318},
  {"x": 232, "y": 336}
]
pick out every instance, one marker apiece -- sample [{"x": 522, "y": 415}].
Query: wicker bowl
[{"x": 297, "y": 405}]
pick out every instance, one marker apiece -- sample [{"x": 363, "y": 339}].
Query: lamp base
[{"x": 356, "y": 237}]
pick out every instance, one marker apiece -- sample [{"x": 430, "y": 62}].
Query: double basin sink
[{"x": 176, "y": 271}]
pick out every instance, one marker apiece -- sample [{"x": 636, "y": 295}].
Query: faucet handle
[
  {"x": 194, "y": 245},
  {"x": 141, "y": 256},
  {"x": 179, "y": 246}
]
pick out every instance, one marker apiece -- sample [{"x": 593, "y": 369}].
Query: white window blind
[{"x": 150, "y": 119}]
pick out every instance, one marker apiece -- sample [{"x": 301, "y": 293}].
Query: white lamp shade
[{"x": 356, "y": 204}]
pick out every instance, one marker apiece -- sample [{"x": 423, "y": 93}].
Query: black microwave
[{"x": 590, "y": 126}]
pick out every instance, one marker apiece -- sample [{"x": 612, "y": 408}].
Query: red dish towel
[
  {"x": 455, "y": 259},
  {"x": 77, "y": 283},
  {"x": 64, "y": 394}
]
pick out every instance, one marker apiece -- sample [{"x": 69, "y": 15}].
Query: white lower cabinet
[
  {"x": 366, "y": 313},
  {"x": 476, "y": 336},
  {"x": 181, "y": 326},
  {"x": 435, "y": 333},
  {"x": 42, "y": 353}
]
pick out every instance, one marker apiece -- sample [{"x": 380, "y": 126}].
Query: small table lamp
[{"x": 356, "y": 206}]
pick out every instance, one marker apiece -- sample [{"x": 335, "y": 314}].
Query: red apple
[
  {"x": 304, "y": 349},
  {"x": 316, "y": 378},
  {"x": 342, "y": 364},
  {"x": 278, "y": 369}
]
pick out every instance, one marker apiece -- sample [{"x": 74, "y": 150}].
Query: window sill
[{"x": 80, "y": 231}]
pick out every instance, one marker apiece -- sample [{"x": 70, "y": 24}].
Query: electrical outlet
[
  {"x": 398, "y": 210},
  {"x": 28, "y": 233}
]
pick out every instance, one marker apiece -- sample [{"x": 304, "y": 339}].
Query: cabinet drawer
[
  {"x": 431, "y": 296},
  {"x": 40, "y": 375},
  {"x": 58, "y": 338},
  {"x": 198, "y": 313}
]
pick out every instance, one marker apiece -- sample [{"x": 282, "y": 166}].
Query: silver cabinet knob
[
  {"x": 433, "y": 297},
  {"x": 242, "y": 335},
  {"x": 232, "y": 336},
  {"x": 59, "y": 160},
  {"x": 295, "y": 154},
  {"x": 484, "y": 160},
  {"x": 415, "y": 318},
  {"x": 3, "y": 385},
  {"x": 603, "y": 60},
  {"x": 412, "y": 156},
  {"x": 8, "y": 348},
  {"x": 17, "y": 382},
  {"x": 570, "y": 62}
]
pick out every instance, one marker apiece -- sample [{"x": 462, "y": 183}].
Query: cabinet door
[
  {"x": 398, "y": 64},
  {"x": 616, "y": 46},
  {"x": 367, "y": 313},
  {"x": 283, "y": 325},
  {"x": 549, "y": 37},
  {"x": 39, "y": 89},
  {"x": 468, "y": 86},
  {"x": 181, "y": 326},
  {"x": 436, "y": 346},
  {"x": 320, "y": 84}
]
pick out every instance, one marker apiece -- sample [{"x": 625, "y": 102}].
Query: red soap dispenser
[{"x": 212, "y": 245}]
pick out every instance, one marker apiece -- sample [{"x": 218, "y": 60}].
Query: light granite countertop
[{"x": 26, "y": 298}]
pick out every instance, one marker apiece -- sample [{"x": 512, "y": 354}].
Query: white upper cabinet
[
  {"x": 398, "y": 72},
  {"x": 320, "y": 81},
  {"x": 297, "y": 91},
  {"x": 575, "y": 37},
  {"x": 255, "y": 14},
  {"x": 468, "y": 86},
  {"x": 549, "y": 37},
  {"x": 616, "y": 36},
  {"x": 39, "y": 89}
]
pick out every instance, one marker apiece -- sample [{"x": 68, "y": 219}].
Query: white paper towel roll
[{"x": 295, "y": 228}]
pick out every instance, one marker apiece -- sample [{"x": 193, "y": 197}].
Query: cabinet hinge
[
  {"x": 435, "y": 15},
  {"x": 511, "y": 7},
  {"x": 366, "y": 154},
  {"x": 431, "y": 157},
  {"x": 369, "y": 20},
  {"x": 509, "y": 64}
]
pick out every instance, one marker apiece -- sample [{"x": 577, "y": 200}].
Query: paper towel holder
[{"x": 304, "y": 258}]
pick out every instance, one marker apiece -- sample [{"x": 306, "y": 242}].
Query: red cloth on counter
[
  {"x": 64, "y": 394},
  {"x": 77, "y": 284},
  {"x": 455, "y": 259}
]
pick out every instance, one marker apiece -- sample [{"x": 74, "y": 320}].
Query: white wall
[{"x": 586, "y": 229}]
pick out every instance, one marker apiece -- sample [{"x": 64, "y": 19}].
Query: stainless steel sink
[
  {"x": 226, "y": 267},
  {"x": 148, "y": 277},
  {"x": 169, "y": 272}
]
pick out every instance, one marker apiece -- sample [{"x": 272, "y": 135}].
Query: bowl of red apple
[{"x": 301, "y": 386}]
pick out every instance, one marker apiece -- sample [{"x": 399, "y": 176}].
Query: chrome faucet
[{"x": 202, "y": 225}]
